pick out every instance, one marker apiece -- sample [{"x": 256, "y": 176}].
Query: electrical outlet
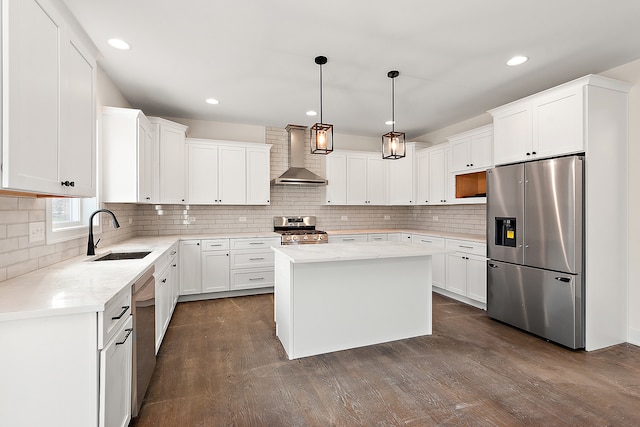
[
  {"x": 344, "y": 218},
  {"x": 192, "y": 219},
  {"x": 387, "y": 217},
  {"x": 242, "y": 219},
  {"x": 435, "y": 217},
  {"x": 36, "y": 232},
  {"x": 130, "y": 221}
]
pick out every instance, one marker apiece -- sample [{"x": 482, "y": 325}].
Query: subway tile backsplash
[{"x": 18, "y": 256}]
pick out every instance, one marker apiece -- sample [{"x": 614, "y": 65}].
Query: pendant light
[
  {"x": 321, "y": 133},
  {"x": 393, "y": 146}
]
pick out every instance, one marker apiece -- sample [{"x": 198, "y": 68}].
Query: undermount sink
[{"x": 114, "y": 256}]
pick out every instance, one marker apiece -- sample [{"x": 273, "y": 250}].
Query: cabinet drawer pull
[
  {"x": 218, "y": 244},
  {"x": 124, "y": 310},
  {"x": 173, "y": 252},
  {"x": 377, "y": 238},
  {"x": 348, "y": 240},
  {"x": 256, "y": 243},
  {"x": 256, "y": 278},
  {"x": 164, "y": 280},
  {"x": 256, "y": 259},
  {"x": 426, "y": 241},
  {"x": 126, "y": 337},
  {"x": 466, "y": 247}
]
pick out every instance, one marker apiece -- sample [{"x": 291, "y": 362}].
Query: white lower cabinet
[
  {"x": 467, "y": 270},
  {"x": 438, "y": 275},
  {"x": 115, "y": 375},
  {"x": 166, "y": 282},
  {"x": 220, "y": 265},
  {"x": 68, "y": 370},
  {"x": 348, "y": 238},
  {"x": 215, "y": 265},
  {"x": 377, "y": 237}
]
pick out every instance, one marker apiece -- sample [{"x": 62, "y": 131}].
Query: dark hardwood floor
[{"x": 222, "y": 365}]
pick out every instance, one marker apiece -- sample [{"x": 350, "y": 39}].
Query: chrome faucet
[{"x": 90, "y": 245}]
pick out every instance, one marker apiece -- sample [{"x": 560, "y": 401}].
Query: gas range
[{"x": 298, "y": 230}]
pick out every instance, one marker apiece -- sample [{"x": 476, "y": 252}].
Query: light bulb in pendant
[{"x": 321, "y": 141}]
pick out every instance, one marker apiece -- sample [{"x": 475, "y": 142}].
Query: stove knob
[
  {"x": 294, "y": 237},
  {"x": 288, "y": 238},
  {"x": 306, "y": 238},
  {"x": 321, "y": 237}
]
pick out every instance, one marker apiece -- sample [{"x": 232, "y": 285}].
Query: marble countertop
[
  {"x": 79, "y": 285},
  {"x": 463, "y": 236},
  {"x": 355, "y": 251}
]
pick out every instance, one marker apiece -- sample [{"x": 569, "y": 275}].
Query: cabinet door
[
  {"x": 437, "y": 261},
  {"x": 258, "y": 170},
  {"x": 31, "y": 67},
  {"x": 172, "y": 164},
  {"x": 77, "y": 145},
  {"x": 461, "y": 154},
  {"x": 477, "y": 278},
  {"x": 147, "y": 161},
  {"x": 336, "y": 173},
  {"x": 190, "y": 274},
  {"x": 437, "y": 176},
  {"x": 163, "y": 304},
  {"x": 558, "y": 120},
  {"x": 215, "y": 271},
  {"x": 481, "y": 150},
  {"x": 202, "y": 175},
  {"x": 457, "y": 273},
  {"x": 232, "y": 172},
  {"x": 401, "y": 179},
  {"x": 377, "y": 180},
  {"x": 356, "y": 179},
  {"x": 115, "y": 379},
  {"x": 422, "y": 177},
  {"x": 512, "y": 134}
]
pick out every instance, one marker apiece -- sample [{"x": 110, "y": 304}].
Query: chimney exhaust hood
[{"x": 297, "y": 174}]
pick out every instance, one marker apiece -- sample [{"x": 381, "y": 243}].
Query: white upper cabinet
[
  {"x": 335, "y": 192},
  {"x": 438, "y": 175},
  {"x": 48, "y": 72},
  {"x": 230, "y": 173},
  {"x": 401, "y": 188},
  {"x": 422, "y": 177},
  {"x": 258, "y": 175},
  {"x": 547, "y": 124},
  {"x": 472, "y": 150},
  {"x": 170, "y": 139},
  {"x": 129, "y": 157},
  {"x": 356, "y": 179},
  {"x": 377, "y": 180}
]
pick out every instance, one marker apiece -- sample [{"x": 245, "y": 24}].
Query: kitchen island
[{"x": 337, "y": 297}]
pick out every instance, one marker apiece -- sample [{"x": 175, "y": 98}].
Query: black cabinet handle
[
  {"x": 563, "y": 279},
  {"x": 164, "y": 280},
  {"x": 533, "y": 152},
  {"x": 119, "y": 316},
  {"x": 126, "y": 337},
  {"x": 528, "y": 154},
  {"x": 68, "y": 183}
]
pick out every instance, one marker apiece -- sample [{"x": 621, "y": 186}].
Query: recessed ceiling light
[
  {"x": 389, "y": 122},
  {"x": 311, "y": 113},
  {"x": 212, "y": 101},
  {"x": 517, "y": 60},
  {"x": 119, "y": 44}
]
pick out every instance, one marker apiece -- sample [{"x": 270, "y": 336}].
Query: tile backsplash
[{"x": 18, "y": 256}]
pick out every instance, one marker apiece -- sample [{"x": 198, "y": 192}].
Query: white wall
[
  {"x": 224, "y": 131},
  {"x": 440, "y": 136},
  {"x": 631, "y": 73}
]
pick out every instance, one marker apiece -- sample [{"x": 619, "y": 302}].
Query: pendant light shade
[
  {"x": 321, "y": 133},
  {"x": 393, "y": 144}
]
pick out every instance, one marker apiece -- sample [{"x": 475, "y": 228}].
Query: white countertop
[
  {"x": 78, "y": 285},
  {"x": 481, "y": 238},
  {"x": 355, "y": 251}
]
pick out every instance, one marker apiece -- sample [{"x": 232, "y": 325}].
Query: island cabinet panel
[
  {"x": 438, "y": 260},
  {"x": 322, "y": 307}
]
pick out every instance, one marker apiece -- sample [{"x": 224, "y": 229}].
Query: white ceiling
[{"x": 257, "y": 56}]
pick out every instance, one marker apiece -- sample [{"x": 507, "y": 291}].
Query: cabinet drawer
[
  {"x": 115, "y": 314},
  {"x": 254, "y": 278},
  {"x": 168, "y": 257},
  {"x": 215, "y": 245},
  {"x": 467, "y": 247},
  {"x": 255, "y": 243},
  {"x": 347, "y": 238},
  {"x": 377, "y": 237},
  {"x": 245, "y": 259},
  {"x": 428, "y": 240}
]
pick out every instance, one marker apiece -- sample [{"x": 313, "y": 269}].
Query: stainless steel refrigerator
[{"x": 535, "y": 274}]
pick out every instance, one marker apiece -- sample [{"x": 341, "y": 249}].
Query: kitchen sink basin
[{"x": 114, "y": 256}]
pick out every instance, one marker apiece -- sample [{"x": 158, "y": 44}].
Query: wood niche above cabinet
[{"x": 471, "y": 185}]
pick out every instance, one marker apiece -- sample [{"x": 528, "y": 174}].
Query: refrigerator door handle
[{"x": 563, "y": 279}]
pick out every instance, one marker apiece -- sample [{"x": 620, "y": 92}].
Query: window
[{"x": 68, "y": 218}]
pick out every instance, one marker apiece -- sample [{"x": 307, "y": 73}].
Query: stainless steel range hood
[{"x": 297, "y": 174}]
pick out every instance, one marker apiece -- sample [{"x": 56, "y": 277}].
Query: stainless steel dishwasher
[{"x": 143, "y": 302}]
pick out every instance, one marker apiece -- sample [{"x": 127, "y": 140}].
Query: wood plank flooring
[{"x": 222, "y": 365}]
